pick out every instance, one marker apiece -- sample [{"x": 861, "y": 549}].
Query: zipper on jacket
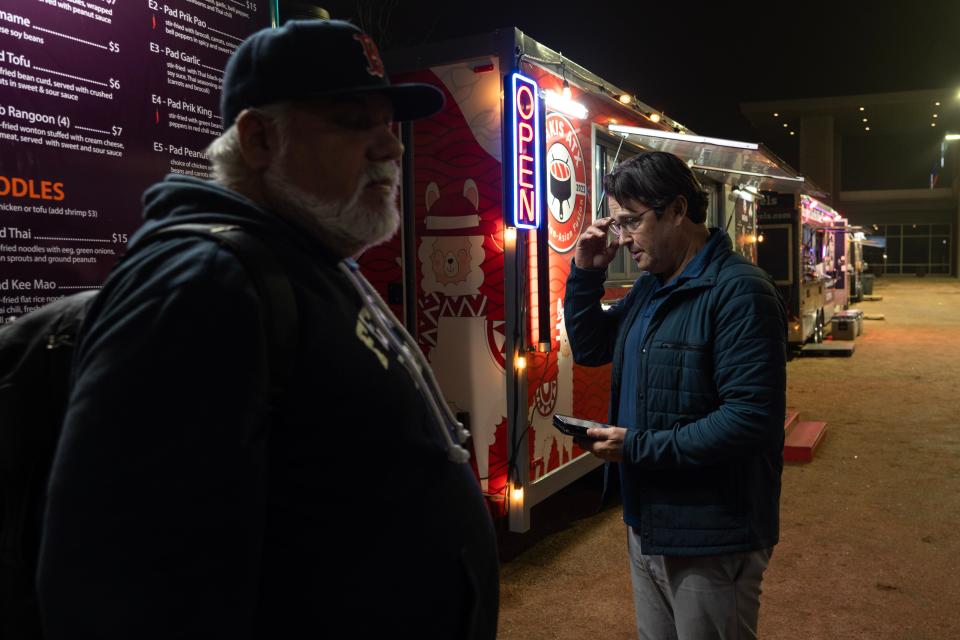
[
  {"x": 55, "y": 341},
  {"x": 682, "y": 347}
]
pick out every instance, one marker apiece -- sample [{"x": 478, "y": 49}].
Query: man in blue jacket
[
  {"x": 698, "y": 384},
  {"x": 188, "y": 500}
]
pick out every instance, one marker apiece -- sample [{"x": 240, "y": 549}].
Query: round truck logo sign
[{"x": 566, "y": 184}]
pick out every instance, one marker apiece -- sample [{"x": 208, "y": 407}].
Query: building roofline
[{"x": 832, "y": 103}]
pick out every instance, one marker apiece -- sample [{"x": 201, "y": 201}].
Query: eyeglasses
[{"x": 630, "y": 225}]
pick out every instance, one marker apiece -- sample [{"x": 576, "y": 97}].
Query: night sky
[{"x": 698, "y": 61}]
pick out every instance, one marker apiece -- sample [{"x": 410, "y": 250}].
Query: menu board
[{"x": 98, "y": 100}]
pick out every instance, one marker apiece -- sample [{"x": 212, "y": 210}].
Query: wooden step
[
  {"x": 803, "y": 440},
  {"x": 841, "y": 348},
  {"x": 793, "y": 416}
]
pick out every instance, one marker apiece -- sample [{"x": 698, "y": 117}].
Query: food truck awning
[{"x": 726, "y": 161}]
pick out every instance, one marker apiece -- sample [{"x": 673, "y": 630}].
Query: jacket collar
[
  {"x": 720, "y": 248},
  {"x": 183, "y": 199}
]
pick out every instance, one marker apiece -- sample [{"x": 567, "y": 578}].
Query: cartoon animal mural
[
  {"x": 455, "y": 329},
  {"x": 551, "y": 448}
]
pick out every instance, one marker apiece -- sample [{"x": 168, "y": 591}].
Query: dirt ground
[{"x": 870, "y": 530}]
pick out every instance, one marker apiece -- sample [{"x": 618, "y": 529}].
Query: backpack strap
[{"x": 271, "y": 283}]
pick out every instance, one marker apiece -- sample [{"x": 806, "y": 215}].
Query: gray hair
[{"x": 229, "y": 167}]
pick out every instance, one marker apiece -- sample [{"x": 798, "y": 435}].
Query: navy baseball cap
[{"x": 315, "y": 58}]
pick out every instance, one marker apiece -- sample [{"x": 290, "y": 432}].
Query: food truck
[
  {"x": 496, "y": 190},
  {"x": 855, "y": 263},
  {"x": 805, "y": 249}
]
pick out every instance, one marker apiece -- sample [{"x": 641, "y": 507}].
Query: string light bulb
[
  {"x": 654, "y": 117},
  {"x": 510, "y": 235},
  {"x": 566, "y": 92},
  {"x": 626, "y": 98},
  {"x": 521, "y": 363},
  {"x": 516, "y": 494}
]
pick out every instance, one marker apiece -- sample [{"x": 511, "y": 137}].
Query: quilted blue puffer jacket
[{"x": 703, "y": 464}]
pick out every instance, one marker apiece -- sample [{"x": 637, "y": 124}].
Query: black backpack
[{"x": 36, "y": 354}]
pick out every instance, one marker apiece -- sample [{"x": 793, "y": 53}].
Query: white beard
[{"x": 346, "y": 226}]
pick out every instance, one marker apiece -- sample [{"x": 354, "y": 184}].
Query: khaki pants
[{"x": 696, "y": 598}]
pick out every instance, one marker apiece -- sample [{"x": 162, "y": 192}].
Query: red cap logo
[{"x": 374, "y": 62}]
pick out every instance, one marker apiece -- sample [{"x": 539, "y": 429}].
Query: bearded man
[{"x": 192, "y": 499}]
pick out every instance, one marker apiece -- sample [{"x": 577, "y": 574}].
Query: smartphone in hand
[{"x": 576, "y": 427}]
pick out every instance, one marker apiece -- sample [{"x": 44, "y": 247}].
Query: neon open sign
[{"x": 525, "y": 151}]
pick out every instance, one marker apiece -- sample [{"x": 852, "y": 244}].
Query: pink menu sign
[{"x": 98, "y": 100}]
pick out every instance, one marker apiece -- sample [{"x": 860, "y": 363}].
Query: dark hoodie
[{"x": 180, "y": 507}]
